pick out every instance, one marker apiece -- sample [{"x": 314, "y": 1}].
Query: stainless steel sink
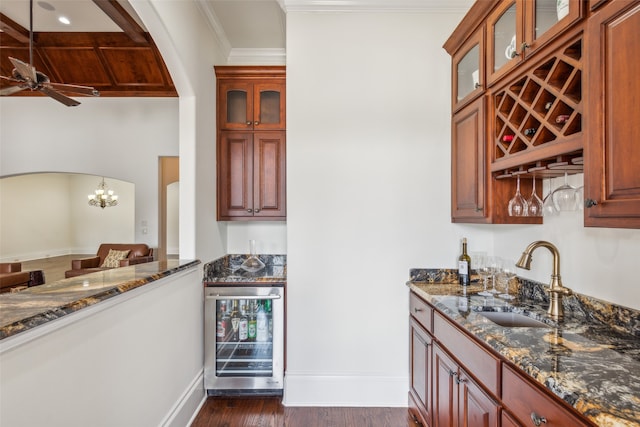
[{"x": 513, "y": 320}]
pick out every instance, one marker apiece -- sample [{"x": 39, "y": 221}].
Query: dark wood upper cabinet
[
  {"x": 251, "y": 143},
  {"x": 612, "y": 152},
  {"x": 559, "y": 93},
  {"x": 251, "y": 100}
]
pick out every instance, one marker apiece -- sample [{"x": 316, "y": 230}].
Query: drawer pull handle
[
  {"x": 537, "y": 419},
  {"x": 417, "y": 310}
]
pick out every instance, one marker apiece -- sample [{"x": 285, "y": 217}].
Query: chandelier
[{"x": 103, "y": 197}]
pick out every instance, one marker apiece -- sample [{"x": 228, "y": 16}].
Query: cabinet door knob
[
  {"x": 459, "y": 380},
  {"x": 537, "y": 419},
  {"x": 249, "y": 123},
  {"x": 256, "y": 123},
  {"x": 249, "y": 210},
  {"x": 477, "y": 85},
  {"x": 257, "y": 210},
  {"x": 589, "y": 203},
  {"x": 479, "y": 209}
]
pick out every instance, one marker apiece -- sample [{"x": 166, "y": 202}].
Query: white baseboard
[
  {"x": 29, "y": 256},
  {"x": 344, "y": 390},
  {"x": 187, "y": 407}
]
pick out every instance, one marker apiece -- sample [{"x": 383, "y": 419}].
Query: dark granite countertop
[
  {"x": 228, "y": 270},
  {"x": 35, "y": 306},
  {"x": 590, "y": 359}
]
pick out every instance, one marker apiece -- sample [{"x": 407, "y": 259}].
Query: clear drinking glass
[
  {"x": 534, "y": 204},
  {"x": 484, "y": 271},
  {"x": 517, "y": 205},
  {"x": 506, "y": 274},
  {"x": 494, "y": 264}
]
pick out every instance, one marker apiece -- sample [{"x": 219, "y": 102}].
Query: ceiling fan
[{"x": 24, "y": 76}]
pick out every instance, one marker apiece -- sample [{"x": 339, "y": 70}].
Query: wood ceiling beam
[
  {"x": 120, "y": 16},
  {"x": 13, "y": 29}
]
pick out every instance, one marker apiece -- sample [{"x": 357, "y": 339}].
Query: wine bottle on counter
[{"x": 464, "y": 265}]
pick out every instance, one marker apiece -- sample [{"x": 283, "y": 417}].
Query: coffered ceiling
[{"x": 106, "y": 45}]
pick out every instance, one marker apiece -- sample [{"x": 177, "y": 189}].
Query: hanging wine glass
[
  {"x": 534, "y": 204},
  {"x": 564, "y": 197},
  {"x": 580, "y": 198},
  {"x": 548, "y": 208},
  {"x": 517, "y": 205}
]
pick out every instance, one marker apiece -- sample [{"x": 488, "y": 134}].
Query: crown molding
[
  {"x": 267, "y": 56},
  {"x": 216, "y": 26},
  {"x": 375, "y": 5}
]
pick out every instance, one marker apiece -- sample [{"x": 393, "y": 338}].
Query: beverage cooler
[{"x": 244, "y": 340}]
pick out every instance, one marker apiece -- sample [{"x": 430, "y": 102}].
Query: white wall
[
  {"x": 113, "y": 137},
  {"x": 47, "y": 214},
  {"x": 134, "y": 362},
  {"x": 191, "y": 49},
  {"x": 594, "y": 261},
  {"x": 368, "y": 177},
  {"x": 368, "y": 181},
  {"x": 270, "y": 237}
]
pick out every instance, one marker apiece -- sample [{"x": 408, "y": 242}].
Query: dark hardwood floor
[{"x": 269, "y": 412}]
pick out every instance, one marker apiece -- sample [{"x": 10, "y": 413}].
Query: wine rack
[{"x": 538, "y": 116}]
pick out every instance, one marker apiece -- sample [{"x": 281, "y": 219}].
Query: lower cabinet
[
  {"x": 420, "y": 343},
  {"x": 532, "y": 406},
  {"x": 456, "y": 382},
  {"x": 457, "y": 399}
]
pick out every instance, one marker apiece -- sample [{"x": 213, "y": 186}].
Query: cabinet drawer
[
  {"x": 484, "y": 366},
  {"x": 421, "y": 311},
  {"x": 524, "y": 399}
]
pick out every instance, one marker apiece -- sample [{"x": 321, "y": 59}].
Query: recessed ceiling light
[
  {"x": 46, "y": 6},
  {"x": 64, "y": 20}
]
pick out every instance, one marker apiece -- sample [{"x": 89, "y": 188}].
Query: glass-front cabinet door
[
  {"x": 504, "y": 35},
  {"x": 468, "y": 70},
  {"x": 545, "y": 19},
  {"x": 517, "y": 28},
  {"x": 252, "y": 106},
  {"x": 236, "y": 102},
  {"x": 269, "y": 106}
]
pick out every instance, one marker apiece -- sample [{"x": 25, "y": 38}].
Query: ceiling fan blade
[
  {"x": 28, "y": 72},
  {"x": 69, "y": 102},
  {"x": 11, "y": 79},
  {"x": 10, "y": 90},
  {"x": 83, "y": 90}
]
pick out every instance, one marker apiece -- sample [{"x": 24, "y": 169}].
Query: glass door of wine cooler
[{"x": 244, "y": 340}]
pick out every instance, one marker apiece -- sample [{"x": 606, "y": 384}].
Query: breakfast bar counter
[
  {"x": 39, "y": 305},
  {"x": 590, "y": 359}
]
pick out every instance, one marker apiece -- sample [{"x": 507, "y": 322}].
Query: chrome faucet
[{"x": 556, "y": 290}]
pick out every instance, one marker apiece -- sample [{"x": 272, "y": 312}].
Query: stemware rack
[
  {"x": 572, "y": 164},
  {"x": 538, "y": 117}
]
